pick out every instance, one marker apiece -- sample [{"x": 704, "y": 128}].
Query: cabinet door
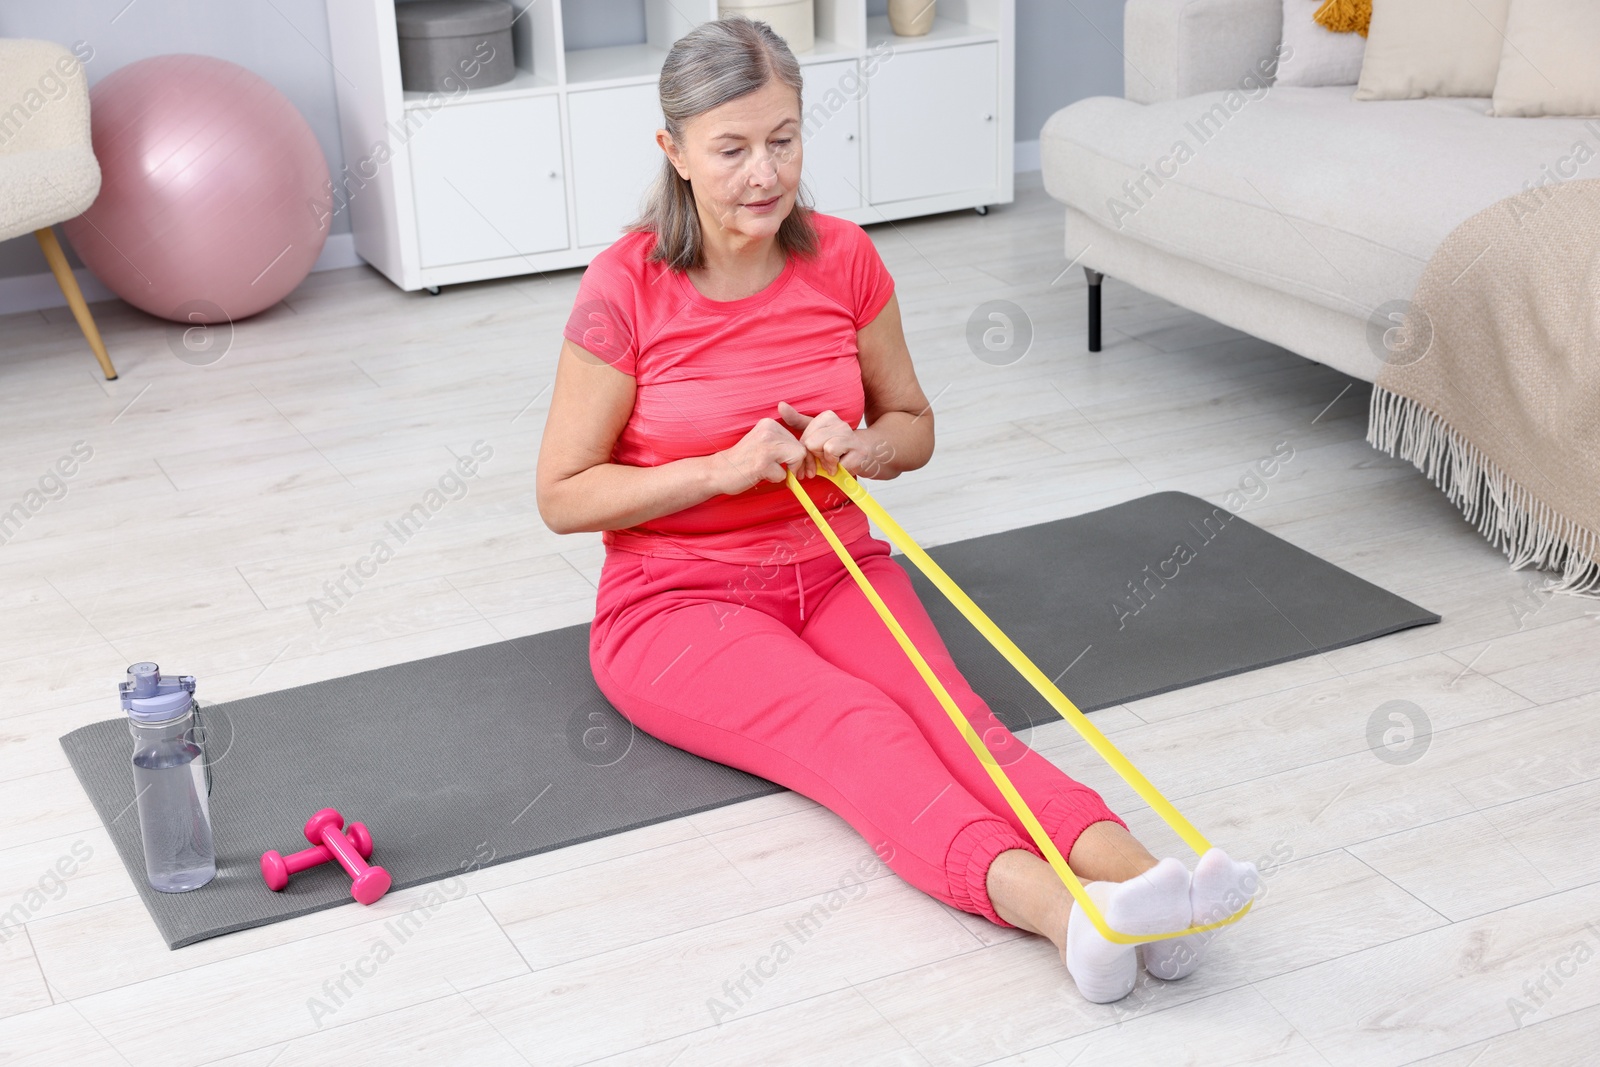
[
  {"x": 933, "y": 123},
  {"x": 614, "y": 156},
  {"x": 830, "y": 123},
  {"x": 489, "y": 181}
]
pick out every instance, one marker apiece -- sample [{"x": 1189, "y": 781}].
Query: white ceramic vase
[
  {"x": 793, "y": 20},
  {"x": 911, "y": 18}
]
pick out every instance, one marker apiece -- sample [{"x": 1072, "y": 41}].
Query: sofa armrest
[
  {"x": 1176, "y": 48},
  {"x": 45, "y": 97}
]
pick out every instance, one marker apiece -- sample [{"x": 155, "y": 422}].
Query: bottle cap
[{"x": 147, "y": 697}]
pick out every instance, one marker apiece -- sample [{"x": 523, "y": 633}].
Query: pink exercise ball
[{"x": 214, "y": 195}]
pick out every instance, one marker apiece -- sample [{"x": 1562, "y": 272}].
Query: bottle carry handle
[{"x": 197, "y": 734}]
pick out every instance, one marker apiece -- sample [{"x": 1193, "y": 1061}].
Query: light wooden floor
[{"x": 1408, "y": 908}]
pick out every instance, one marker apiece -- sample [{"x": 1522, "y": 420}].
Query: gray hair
[{"x": 710, "y": 65}]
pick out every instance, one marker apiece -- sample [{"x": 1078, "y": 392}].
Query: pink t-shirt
[{"x": 707, "y": 370}]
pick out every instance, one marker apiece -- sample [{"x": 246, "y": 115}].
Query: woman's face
[{"x": 742, "y": 160}]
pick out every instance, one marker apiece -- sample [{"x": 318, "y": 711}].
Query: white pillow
[
  {"x": 1313, "y": 54},
  {"x": 1550, "y": 62},
  {"x": 1432, "y": 48}
]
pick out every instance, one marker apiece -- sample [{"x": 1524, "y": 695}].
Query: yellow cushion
[{"x": 1344, "y": 16}]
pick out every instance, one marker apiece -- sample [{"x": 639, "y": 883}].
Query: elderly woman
[{"x": 731, "y": 335}]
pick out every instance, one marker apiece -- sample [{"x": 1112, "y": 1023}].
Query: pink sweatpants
[{"x": 785, "y": 671}]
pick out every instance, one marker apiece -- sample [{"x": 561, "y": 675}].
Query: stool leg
[
  {"x": 1095, "y": 278},
  {"x": 69, "y": 288}
]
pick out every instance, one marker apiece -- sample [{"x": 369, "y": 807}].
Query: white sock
[
  {"x": 1219, "y": 887},
  {"x": 1155, "y": 901}
]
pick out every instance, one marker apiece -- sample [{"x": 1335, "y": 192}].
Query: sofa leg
[
  {"x": 1094, "y": 277},
  {"x": 69, "y": 289}
]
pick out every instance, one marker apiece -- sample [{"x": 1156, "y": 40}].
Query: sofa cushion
[
  {"x": 1313, "y": 54},
  {"x": 1304, "y": 190},
  {"x": 1432, "y": 48},
  {"x": 1550, "y": 59},
  {"x": 46, "y": 187}
]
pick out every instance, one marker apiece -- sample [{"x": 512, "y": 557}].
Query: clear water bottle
[{"x": 169, "y": 779}]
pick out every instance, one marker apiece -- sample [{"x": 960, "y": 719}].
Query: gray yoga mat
[
  {"x": 1145, "y": 597},
  {"x": 490, "y": 754}
]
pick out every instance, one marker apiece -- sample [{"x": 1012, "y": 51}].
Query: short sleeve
[
  {"x": 871, "y": 285},
  {"x": 604, "y": 315}
]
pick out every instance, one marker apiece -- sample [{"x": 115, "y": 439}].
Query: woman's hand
[
  {"x": 831, "y": 443},
  {"x": 769, "y": 451},
  {"x": 765, "y": 454}
]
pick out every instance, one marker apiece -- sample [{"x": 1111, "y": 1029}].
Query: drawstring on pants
[{"x": 802, "y": 588}]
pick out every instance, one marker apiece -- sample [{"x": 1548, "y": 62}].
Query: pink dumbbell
[
  {"x": 325, "y": 829},
  {"x": 276, "y": 868}
]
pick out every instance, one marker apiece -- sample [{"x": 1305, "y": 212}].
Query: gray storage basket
[{"x": 449, "y": 45}]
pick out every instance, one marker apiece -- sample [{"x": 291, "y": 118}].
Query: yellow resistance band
[{"x": 1130, "y": 774}]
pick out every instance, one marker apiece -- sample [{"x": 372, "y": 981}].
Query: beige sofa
[
  {"x": 48, "y": 169},
  {"x": 1293, "y": 214}
]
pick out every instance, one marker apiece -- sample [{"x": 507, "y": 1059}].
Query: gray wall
[{"x": 1065, "y": 51}]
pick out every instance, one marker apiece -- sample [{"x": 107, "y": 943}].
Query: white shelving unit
[{"x": 542, "y": 172}]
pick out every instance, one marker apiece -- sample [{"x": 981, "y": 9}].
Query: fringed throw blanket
[{"x": 1491, "y": 382}]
